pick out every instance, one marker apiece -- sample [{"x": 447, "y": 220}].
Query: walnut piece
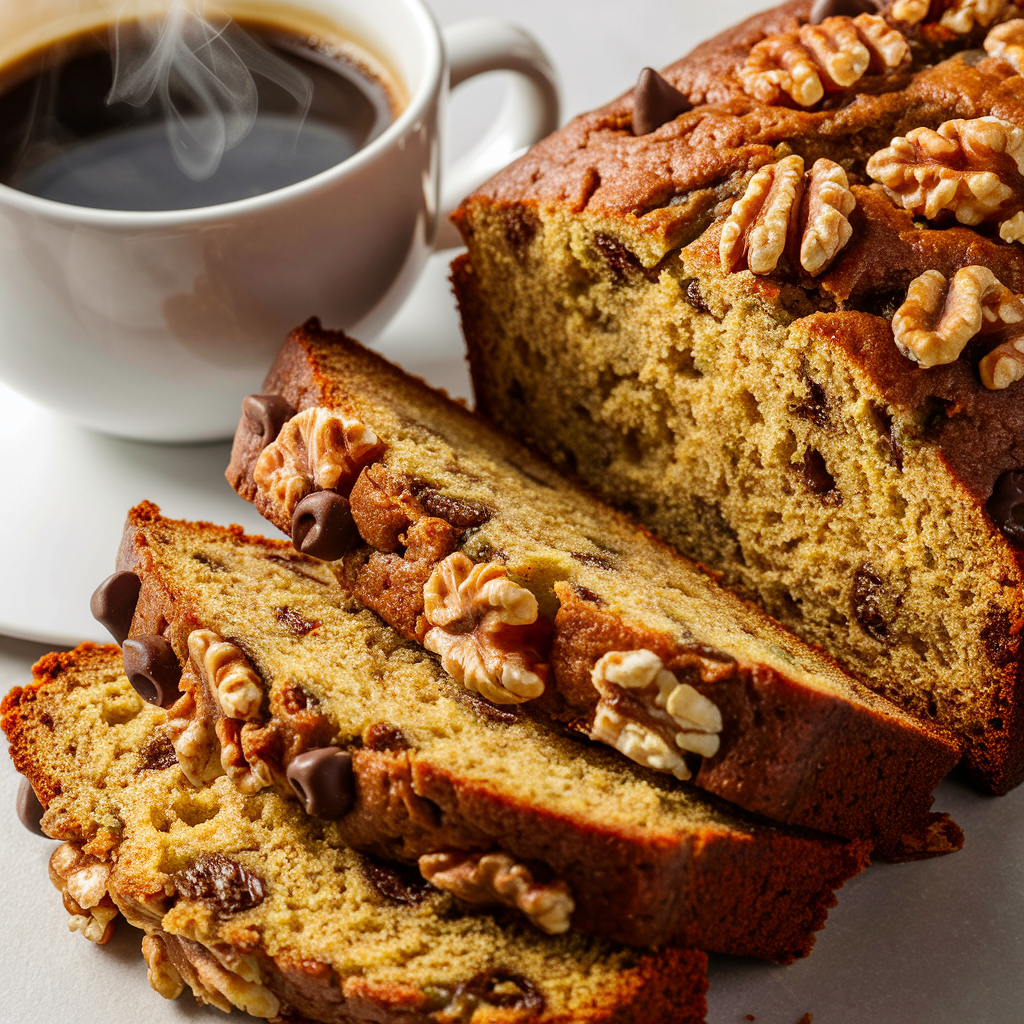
[
  {"x": 1004, "y": 365},
  {"x": 939, "y": 317},
  {"x": 781, "y": 205},
  {"x": 663, "y": 716},
  {"x": 480, "y": 623},
  {"x": 162, "y": 975},
  {"x": 318, "y": 449},
  {"x": 226, "y": 671},
  {"x": 910, "y": 12},
  {"x": 959, "y": 16},
  {"x": 496, "y": 878},
  {"x": 216, "y": 984},
  {"x": 1007, "y": 41},
  {"x": 82, "y": 880},
  {"x": 970, "y": 169},
  {"x": 807, "y": 62}
]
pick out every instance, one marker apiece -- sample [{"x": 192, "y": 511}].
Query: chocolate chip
[
  {"x": 267, "y": 414},
  {"x": 655, "y": 102},
  {"x": 322, "y": 526},
  {"x": 1006, "y": 506},
  {"x": 30, "y": 810},
  {"x": 823, "y": 9},
  {"x": 397, "y": 882},
  {"x": 113, "y": 604},
  {"x": 153, "y": 669},
  {"x": 222, "y": 882},
  {"x": 322, "y": 780}
]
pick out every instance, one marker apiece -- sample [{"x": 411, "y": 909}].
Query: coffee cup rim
[{"x": 416, "y": 108}]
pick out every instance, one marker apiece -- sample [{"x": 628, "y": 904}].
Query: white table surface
[{"x": 936, "y": 942}]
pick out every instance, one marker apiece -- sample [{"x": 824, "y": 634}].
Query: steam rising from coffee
[{"x": 198, "y": 65}]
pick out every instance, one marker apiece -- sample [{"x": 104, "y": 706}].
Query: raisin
[
  {"x": 617, "y": 256},
  {"x": 486, "y": 986},
  {"x": 461, "y": 514},
  {"x": 384, "y": 736},
  {"x": 228, "y": 886},
  {"x": 157, "y": 754},
  {"x": 586, "y": 594},
  {"x": 819, "y": 480},
  {"x": 1001, "y": 644},
  {"x": 398, "y": 882},
  {"x": 597, "y": 561},
  {"x": 868, "y": 600},
  {"x": 295, "y": 622},
  {"x": 696, "y": 297},
  {"x": 520, "y": 228},
  {"x": 815, "y": 406}
]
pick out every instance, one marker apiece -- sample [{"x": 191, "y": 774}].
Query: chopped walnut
[
  {"x": 781, "y": 204},
  {"x": 805, "y": 63},
  {"x": 910, "y": 12},
  {"x": 646, "y": 713},
  {"x": 939, "y": 317},
  {"x": 1004, "y": 365},
  {"x": 961, "y": 16},
  {"x": 319, "y": 449},
  {"x": 1007, "y": 41},
  {"x": 480, "y": 624},
  {"x": 242, "y": 764},
  {"x": 489, "y": 878},
  {"x": 162, "y": 975},
  {"x": 82, "y": 880},
  {"x": 215, "y": 984},
  {"x": 970, "y": 169},
  {"x": 227, "y": 673}
]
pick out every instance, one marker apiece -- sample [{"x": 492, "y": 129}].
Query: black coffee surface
[{"x": 61, "y": 140}]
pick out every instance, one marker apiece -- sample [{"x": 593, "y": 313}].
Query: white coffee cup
[{"x": 154, "y": 325}]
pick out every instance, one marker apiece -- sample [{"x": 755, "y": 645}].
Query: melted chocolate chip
[
  {"x": 30, "y": 810},
  {"x": 322, "y": 780},
  {"x": 113, "y": 604},
  {"x": 485, "y": 987},
  {"x": 816, "y": 474},
  {"x": 656, "y": 102},
  {"x": 823, "y": 9},
  {"x": 867, "y": 599},
  {"x": 157, "y": 754},
  {"x": 520, "y": 228},
  {"x": 266, "y": 415},
  {"x": 1006, "y": 506},
  {"x": 815, "y": 406},
  {"x": 295, "y": 622},
  {"x": 153, "y": 669},
  {"x": 596, "y": 561},
  {"x": 586, "y": 594},
  {"x": 463, "y": 515},
  {"x": 398, "y": 882},
  {"x": 222, "y": 882},
  {"x": 384, "y": 736},
  {"x": 322, "y": 526}
]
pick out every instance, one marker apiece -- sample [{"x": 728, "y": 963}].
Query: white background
[{"x": 938, "y": 942}]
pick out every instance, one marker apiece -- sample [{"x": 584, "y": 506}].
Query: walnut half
[
  {"x": 806, "y": 63},
  {"x": 481, "y": 627},
  {"x": 496, "y": 878},
  {"x": 939, "y": 317},
  {"x": 782, "y": 208},
  {"x": 82, "y": 880},
  {"x": 972, "y": 170},
  {"x": 652, "y": 718}
]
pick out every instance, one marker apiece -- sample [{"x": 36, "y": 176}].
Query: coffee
[{"x": 61, "y": 139}]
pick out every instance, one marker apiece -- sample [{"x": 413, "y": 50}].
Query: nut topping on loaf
[
  {"x": 645, "y": 713},
  {"x": 779, "y": 209},
  {"x": 82, "y": 881},
  {"x": 972, "y": 169},
  {"x": 485, "y": 879},
  {"x": 807, "y": 62},
  {"x": 1006, "y": 41},
  {"x": 227, "y": 673},
  {"x": 473, "y": 612}
]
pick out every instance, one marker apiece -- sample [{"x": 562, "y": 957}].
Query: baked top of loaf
[
  {"x": 833, "y": 437},
  {"x": 674, "y": 187},
  {"x": 798, "y": 740},
  {"x": 255, "y": 904},
  {"x": 645, "y": 859}
]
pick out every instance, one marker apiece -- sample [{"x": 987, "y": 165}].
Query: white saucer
[{"x": 65, "y": 490}]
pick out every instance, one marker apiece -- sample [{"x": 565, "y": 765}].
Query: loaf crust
[
  {"x": 624, "y": 223},
  {"x": 80, "y": 702}
]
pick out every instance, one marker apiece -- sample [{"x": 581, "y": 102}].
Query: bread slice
[
  {"x": 787, "y": 733},
  {"x": 440, "y": 778},
  {"x": 766, "y": 423},
  {"x": 254, "y": 904}
]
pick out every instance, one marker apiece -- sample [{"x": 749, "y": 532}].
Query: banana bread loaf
[
  {"x": 599, "y": 626},
  {"x": 275, "y": 677},
  {"x": 782, "y": 328},
  {"x": 254, "y": 904}
]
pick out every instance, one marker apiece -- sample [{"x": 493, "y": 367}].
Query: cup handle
[{"x": 530, "y": 111}]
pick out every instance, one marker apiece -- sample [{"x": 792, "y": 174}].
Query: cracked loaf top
[{"x": 860, "y": 162}]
